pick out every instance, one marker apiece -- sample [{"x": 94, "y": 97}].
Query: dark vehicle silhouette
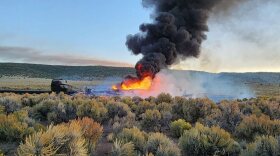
[
  {"x": 57, "y": 86},
  {"x": 60, "y": 85}
]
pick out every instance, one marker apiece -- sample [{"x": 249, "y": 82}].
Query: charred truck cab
[{"x": 60, "y": 85}]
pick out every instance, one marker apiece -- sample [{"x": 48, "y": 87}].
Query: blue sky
[
  {"x": 93, "y": 28},
  {"x": 92, "y": 32}
]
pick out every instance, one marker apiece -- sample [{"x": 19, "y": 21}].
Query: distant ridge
[
  {"x": 101, "y": 72},
  {"x": 61, "y": 71}
]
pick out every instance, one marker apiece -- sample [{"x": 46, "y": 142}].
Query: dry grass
[
  {"x": 22, "y": 83},
  {"x": 265, "y": 89}
]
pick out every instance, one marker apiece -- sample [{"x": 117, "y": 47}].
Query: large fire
[
  {"x": 132, "y": 83},
  {"x": 136, "y": 83}
]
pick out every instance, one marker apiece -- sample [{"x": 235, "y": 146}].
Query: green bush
[
  {"x": 179, "y": 126},
  {"x": 13, "y": 127},
  {"x": 143, "y": 106},
  {"x": 160, "y": 144},
  {"x": 32, "y": 100},
  {"x": 214, "y": 118},
  {"x": 2, "y": 109},
  {"x": 165, "y": 121},
  {"x": 117, "y": 109},
  {"x": 70, "y": 109},
  {"x": 92, "y": 109},
  {"x": 134, "y": 135},
  {"x": 164, "y": 107},
  {"x": 263, "y": 145},
  {"x": 123, "y": 149},
  {"x": 128, "y": 100},
  {"x": 137, "y": 99},
  {"x": 57, "y": 113},
  {"x": 23, "y": 115},
  {"x": 41, "y": 110},
  {"x": 269, "y": 107},
  {"x": 192, "y": 109},
  {"x": 252, "y": 126},
  {"x": 54, "y": 111},
  {"x": 151, "y": 120},
  {"x": 63, "y": 139},
  {"x": 11, "y": 104},
  {"x": 125, "y": 122},
  {"x": 202, "y": 140},
  {"x": 231, "y": 115},
  {"x": 163, "y": 97},
  {"x": 171, "y": 150}
]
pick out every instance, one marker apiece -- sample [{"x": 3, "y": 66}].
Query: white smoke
[{"x": 194, "y": 85}]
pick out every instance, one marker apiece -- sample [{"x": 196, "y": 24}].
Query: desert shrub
[
  {"x": 11, "y": 104},
  {"x": 117, "y": 109},
  {"x": 231, "y": 115},
  {"x": 202, "y": 140},
  {"x": 151, "y": 99},
  {"x": 252, "y": 126},
  {"x": 179, "y": 126},
  {"x": 117, "y": 127},
  {"x": 212, "y": 119},
  {"x": 110, "y": 137},
  {"x": 40, "y": 111},
  {"x": 63, "y": 139},
  {"x": 137, "y": 99},
  {"x": 134, "y": 135},
  {"x": 2, "y": 109},
  {"x": 122, "y": 149},
  {"x": 70, "y": 109},
  {"x": 164, "y": 97},
  {"x": 171, "y": 150},
  {"x": 13, "y": 127},
  {"x": 104, "y": 99},
  {"x": 160, "y": 144},
  {"x": 192, "y": 109},
  {"x": 248, "y": 108},
  {"x": 143, "y": 106},
  {"x": 57, "y": 113},
  {"x": 53, "y": 111},
  {"x": 128, "y": 100},
  {"x": 92, "y": 109},
  {"x": 263, "y": 145},
  {"x": 125, "y": 122},
  {"x": 269, "y": 107},
  {"x": 31, "y": 100},
  {"x": 164, "y": 107},
  {"x": 149, "y": 154},
  {"x": 151, "y": 120},
  {"x": 165, "y": 121},
  {"x": 91, "y": 131}
]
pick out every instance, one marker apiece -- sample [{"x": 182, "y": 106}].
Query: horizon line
[{"x": 69, "y": 65}]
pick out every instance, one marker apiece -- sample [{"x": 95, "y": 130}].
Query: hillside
[
  {"x": 34, "y": 76},
  {"x": 100, "y": 72},
  {"x": 66, "y": 72}
]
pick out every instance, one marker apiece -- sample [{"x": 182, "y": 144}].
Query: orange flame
[
  {"x": 114, "y": 87},
  {"x": 134, "y": 84}
]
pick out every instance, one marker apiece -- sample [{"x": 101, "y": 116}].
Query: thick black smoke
[{"x": 177, "y": 32}]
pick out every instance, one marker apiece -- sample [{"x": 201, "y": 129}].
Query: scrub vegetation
[{"x": 59, "y": 124}]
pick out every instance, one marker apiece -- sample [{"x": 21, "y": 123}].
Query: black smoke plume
[{"x": 177, "y": 32}]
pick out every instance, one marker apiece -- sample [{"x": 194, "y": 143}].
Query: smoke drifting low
[
  {"x": 177, "y": 32},
  {"x": 195, "y": 85},
  {"x": 26, "y": 54}
]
